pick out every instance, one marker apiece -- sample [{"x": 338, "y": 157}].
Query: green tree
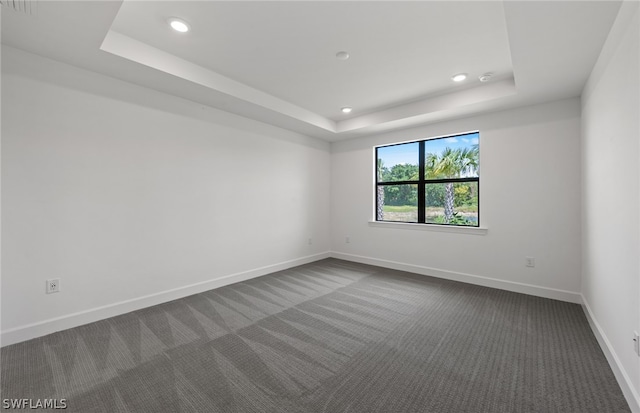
[
  {"x": 380, "y": 190},
  {"x": 402, "y": 172},
  {"x": 401, "y": 194},
  {"x": 451, "y": 163},
  {"x": 434, "y": 195}
]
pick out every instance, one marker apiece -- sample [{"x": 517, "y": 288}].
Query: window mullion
[{"x": 421, "y": 184}]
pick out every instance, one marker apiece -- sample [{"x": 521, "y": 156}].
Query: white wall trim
[
  {"x": 430, "y": 227},
  {"x": 42, "y": 328},
  {"x": 556, "y": 294},
  {"x": 624, "y": 381}
]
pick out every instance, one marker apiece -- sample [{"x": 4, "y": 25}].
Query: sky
[{"x": 408, "y": 153}]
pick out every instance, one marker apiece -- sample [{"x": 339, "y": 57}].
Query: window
[{"x": 431, "y": 181}]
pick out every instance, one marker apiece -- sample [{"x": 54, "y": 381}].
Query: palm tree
[
  {"x": 451, "y": 163},
  {"x": 380, "y": 192}
]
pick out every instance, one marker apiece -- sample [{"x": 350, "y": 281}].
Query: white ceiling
[
  {"x": 275, "y": 61},
  {"x": 399, "y": 51}
]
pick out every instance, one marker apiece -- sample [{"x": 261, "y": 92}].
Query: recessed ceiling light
[
  {"x": 342, "y": 55},
  {"x": 346, "y": 109},
  {"x": 459, "y": 77},
  {"x": 178, "y": 25},
  {"x": 486, "y": 77}
]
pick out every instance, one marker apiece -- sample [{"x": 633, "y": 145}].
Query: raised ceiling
[
  {"x": 275, "y": 61},
  {"x": 398, "y": 51}
]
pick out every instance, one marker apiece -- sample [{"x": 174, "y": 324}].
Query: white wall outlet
[
  {"x": 347, "y": 240},
  {"x": 530, "y": 262},
  {"x": 53, "y": 285},
  {"x": 636, "y": 343},
  {"x": 310, "y": 241}
]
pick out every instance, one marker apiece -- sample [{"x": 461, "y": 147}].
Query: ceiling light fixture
[
  {"x": 459, "y": 77},
  {"x": 178, "y": 25},
  {"x": 486, "y": 77},
  {"x": 346, "y": 109},
  {"x": 342, "y": 55}
]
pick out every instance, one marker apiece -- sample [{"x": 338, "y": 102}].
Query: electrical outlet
[
  {"x": 310, "y": 241},
  {"x": 53, "y": 285},
  {"x": 636, "y": 343},
  {"x": 347, "y": 240},
  {"x": 530, "y": 262}
]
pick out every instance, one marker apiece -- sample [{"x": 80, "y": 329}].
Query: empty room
[{"x": 320, "y": 206}]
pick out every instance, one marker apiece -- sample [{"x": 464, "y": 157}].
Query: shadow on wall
[{"x": 21, "y": 63}]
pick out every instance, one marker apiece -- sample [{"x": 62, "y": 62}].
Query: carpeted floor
[{"x": 331, "y": 336}]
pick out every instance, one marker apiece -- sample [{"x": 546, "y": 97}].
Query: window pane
[
  {"x": 452, "y": 157},
  {"x": 398, "y": 163},
  {"x": 397, "y": 203},
  {"x": 452, "y": 203}
]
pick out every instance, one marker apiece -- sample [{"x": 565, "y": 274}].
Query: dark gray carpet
[{"x": 331, "y": 336}]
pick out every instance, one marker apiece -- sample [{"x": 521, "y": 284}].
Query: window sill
[{"x": 430, "y": 227}]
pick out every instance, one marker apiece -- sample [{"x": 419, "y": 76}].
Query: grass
[
  {"x": 399, "y": 208},
  {"x": 466, "y": 215}
]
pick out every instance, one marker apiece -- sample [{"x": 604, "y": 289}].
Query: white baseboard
[
  {"x": 624, "y": 381},
  {"x": 42, "y": 328},
  {"x": 562, "y": 295}
]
